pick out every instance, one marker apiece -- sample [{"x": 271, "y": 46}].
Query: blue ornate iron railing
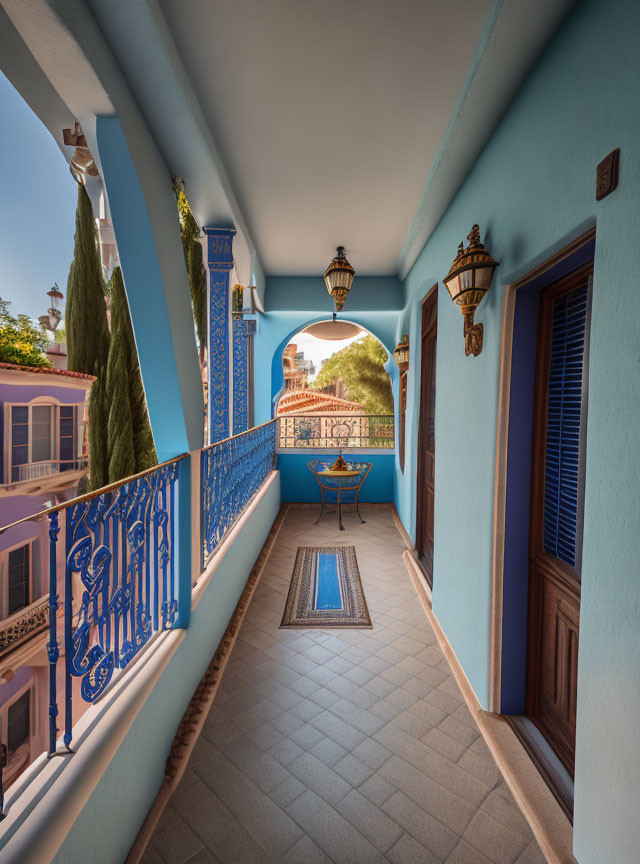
[
  {"x": 120, "y": 568},
  {"x": 231, "y": 472},
  {"x": 112, "y": 575}
]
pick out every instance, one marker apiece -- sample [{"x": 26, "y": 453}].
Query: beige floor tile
[
  {"x": 465, "y": 854},
  {"x": 343, "y": 843},
  {"x": 320, "y": 778},
  {"x": 305, "y": 851},
  {"x": 427, "y": 830},
  {"x": 508, "y": 815},
  {"x": 342, "y": 746},
  {"x": 378, "y": 828},
  {"x": 496, "y": 842},
  {"x": 409, "y": 851}
]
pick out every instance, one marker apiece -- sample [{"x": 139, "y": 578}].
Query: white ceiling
[{"x": 328, "y": 114}]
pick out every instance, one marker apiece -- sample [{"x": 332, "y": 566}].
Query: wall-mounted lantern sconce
[
  {"x": 338, "y": 277},
  {"x": 467, "y": 282},
  {"x": 401, "y": 353}
]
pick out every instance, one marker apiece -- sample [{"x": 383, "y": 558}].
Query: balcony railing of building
[
  {"x": 120, "y": 566},
  {"x": 298, "y": 431},
  {"x": 24, "y": 624},
  {"x": 36, "y": 470}
]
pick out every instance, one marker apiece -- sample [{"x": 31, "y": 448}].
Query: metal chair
[{"x": 345, "y": 489}]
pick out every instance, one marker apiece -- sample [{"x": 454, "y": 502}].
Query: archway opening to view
[{"x": 336, "y": 391}]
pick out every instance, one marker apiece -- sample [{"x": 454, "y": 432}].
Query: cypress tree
[
  {"x": 131, "y": 447},
  {"x": 122, "y": 459},
  {"x": 88, "y": 332}
]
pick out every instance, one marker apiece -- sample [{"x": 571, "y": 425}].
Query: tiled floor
[{"x": 351, "y": 746}]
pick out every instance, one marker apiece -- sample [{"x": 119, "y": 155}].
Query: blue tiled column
[
  {"x": 240, "y": 375},
  {"x": 220, "y": 261}
]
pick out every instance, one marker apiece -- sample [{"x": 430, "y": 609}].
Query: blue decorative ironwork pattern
[
  {"x": 220, "y": 260},
  {"x": 240, "y": 377},
  {"x": 120, "y": 546},
  {"x": 231, "y": 473},
  {"x": 120, "y": 585},
  {"x": 53, "y": 651},
  {"x": 120, "y": 567}
]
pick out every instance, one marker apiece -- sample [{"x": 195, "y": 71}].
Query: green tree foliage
[
  {"x": 20, "y": 341},
  {"x": 122, "y": 459},
  {"x": 130, "y": 442},
  {"x": 189, "y": 233},
  {"x": 361, "y": 368},
  {"x": 88, "y": 333}
]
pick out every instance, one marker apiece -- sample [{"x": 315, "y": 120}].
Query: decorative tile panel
[
  {"x": 220, "y": 260},
  {"x": 240, "y": 376}
]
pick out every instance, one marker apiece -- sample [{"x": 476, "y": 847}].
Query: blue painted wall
[
  {"x": 309, "y": 293},
  {"x": 109, "y": 823},
  {"x": 532, "y": 190},
  {"x": 298, "y": 484}
]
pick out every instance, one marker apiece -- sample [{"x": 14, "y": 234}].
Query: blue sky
[{"x": 37, "y": 208}]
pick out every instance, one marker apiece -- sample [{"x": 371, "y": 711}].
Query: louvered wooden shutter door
[{"x": 564, "y": 423}]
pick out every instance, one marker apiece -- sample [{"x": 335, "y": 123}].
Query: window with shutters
[
  {"x": 42, "y": 434},
  {"x": 19, "y": 580}
]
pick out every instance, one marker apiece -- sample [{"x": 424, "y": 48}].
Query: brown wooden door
[
  {"x": 555, "y": 541},
  {"x": 426, "y": 435}
]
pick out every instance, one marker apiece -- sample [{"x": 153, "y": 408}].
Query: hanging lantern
[
  {"x": 338, "y": 278},
  {"x": 82, "y": 163},
  {"x": 467, "y": 282}
]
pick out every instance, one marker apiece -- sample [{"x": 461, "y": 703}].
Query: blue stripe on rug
[{"x": 328, "y": 595}]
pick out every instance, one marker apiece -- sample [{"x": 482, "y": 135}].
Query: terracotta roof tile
[{"x": 46, "y": 371}]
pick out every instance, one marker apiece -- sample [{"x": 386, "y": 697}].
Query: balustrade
[
  {"x": 119, "y": 563},
  {"x": 34, "y": 470},
  {"x": 231, "y": 473},
  {"x": 336, "y": 430}
]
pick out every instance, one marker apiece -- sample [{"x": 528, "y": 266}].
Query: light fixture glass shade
[
  {"x": 467, "y": 282},
  {"x": 470, "y": 275},
  {"x": 82, "y": 165},
  {"x": 338, "y": 277}
]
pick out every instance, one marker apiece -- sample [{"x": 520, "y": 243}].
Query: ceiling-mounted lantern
[
  {"x": 82, "y": 162},
  {"x": 338, "y": 277}
]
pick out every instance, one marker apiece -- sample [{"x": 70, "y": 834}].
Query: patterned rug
[{"x": 326, "y": 590}]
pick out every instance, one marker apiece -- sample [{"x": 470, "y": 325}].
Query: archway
[
  {"x": 355, "y": 326},
  {"x": 334, "y": 375}
]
